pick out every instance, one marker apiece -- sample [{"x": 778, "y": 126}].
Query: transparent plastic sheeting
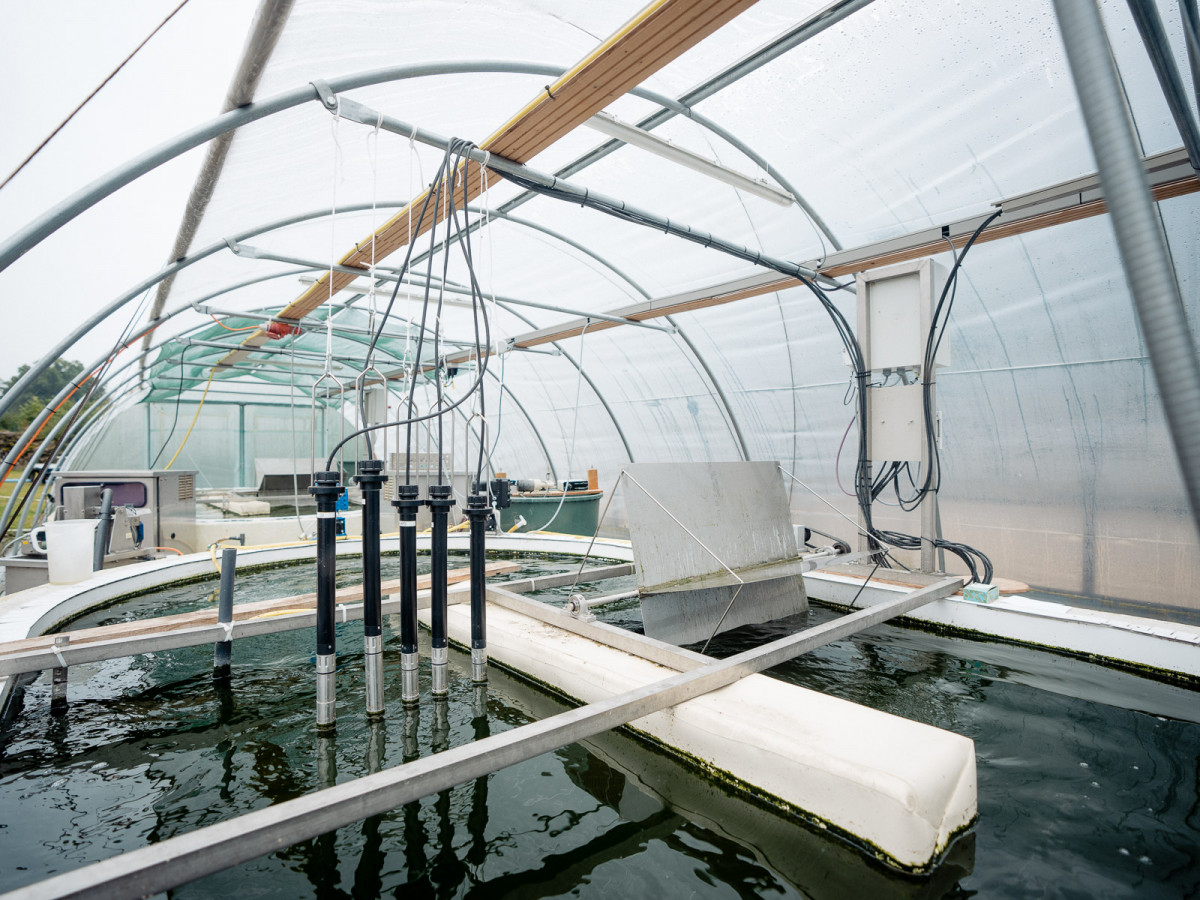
[{"x": 908, "y": 113}]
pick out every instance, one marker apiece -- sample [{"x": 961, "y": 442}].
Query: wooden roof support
[
  {"x": 1055, "y": 205},
  {"x": 657, "y": 35}
]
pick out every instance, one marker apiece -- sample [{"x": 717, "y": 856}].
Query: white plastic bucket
[{"x": 70, "y": 545}]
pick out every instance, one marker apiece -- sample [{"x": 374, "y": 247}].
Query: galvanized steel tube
[{"x": 1140, "y": 238}]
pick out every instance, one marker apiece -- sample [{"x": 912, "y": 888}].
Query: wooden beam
[
  {"x": 650, "y": 40},
  {"x": 1055, "y": 205},
  {"x": 1004, "y": 229},
  {"x": 241, "y": 612}
]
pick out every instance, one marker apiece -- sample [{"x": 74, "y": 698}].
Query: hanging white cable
[
  {"x": 491, "y": 260},
  {"x": 337, "y": 168},
  {"x": 328, "y": 375},
  {"x": 292, "y": 409},
  {"x": 574, "y": 427}
]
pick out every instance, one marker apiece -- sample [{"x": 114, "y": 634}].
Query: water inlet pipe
[
  {"x": 104, "y": 531},
  {"x": 407, "y": 505},
  {"x": 370, "y": 479},
  {"x": 326, "y": 490},
  {"x": 479, "y": 512},
  {"x": 58, "y": 689},
  {"x": 441, "y": 498},
  {"x": 223, "y": 650}
]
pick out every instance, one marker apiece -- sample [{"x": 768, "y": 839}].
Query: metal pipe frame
[
  {"x": 1190, "y": 14},
  {"x": 81, "y": 424},
  {"x": 146, "y": 349},
  {"x": 53, "y": 219},
  {"x": 269, "y": 21},
  {"x": 735, "y": 429},
  {"x": 245, "y": 252},
  {"x": 1158, "y": 48},
  {"x": 1140, "y": 238},
  {"x": 811, "y": 27}
]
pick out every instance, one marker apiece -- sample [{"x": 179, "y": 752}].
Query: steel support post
[
  {"x": 223, "y": 650},
  {"x": 407, "y": 505},
  {"x": 58, "y": 687},
  {"x": 1140, "y": 239},
  {"x": 441, "y": 498},
  {"x": 370, "y": 479},
  {"x": 326, "y": 489}
]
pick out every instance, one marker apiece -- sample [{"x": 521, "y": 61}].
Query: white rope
[
  {"x": 834, "y": 508},
  {"x": 574, "y": 429},
  {"x": 337, "y": 169}
]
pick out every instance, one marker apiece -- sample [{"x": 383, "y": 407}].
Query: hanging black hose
[{"x": 866, "y": 488}]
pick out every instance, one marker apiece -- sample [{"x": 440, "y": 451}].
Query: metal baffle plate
[{"x": 739, "y": 512}]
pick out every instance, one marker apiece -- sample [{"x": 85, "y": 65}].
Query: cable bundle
[
  {"x": 867, "y": 489},
  {"x": 443, "y": 194}
]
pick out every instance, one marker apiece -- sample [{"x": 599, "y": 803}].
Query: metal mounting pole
[
  {"x": 58, "y": 687},
  {"x": 441, "y": 498},
  {"x": 223, "y": 650},
  {"x": 479, "y": 511},
  {"x": 327, "y": 490},
  {"x": 103, "y": 530},
  {"x": 407, "y": 505},
  {"x": 1140, "y": 239},
  {"x": 370, "y": 478}
]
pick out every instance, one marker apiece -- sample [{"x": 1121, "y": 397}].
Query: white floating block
[{"x": 904, "y": 788}]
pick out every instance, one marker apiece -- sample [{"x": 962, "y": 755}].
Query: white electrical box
[
  {"x": 895, "y": 307},
  {"x": 897, "y": 430},
  {"x": 376, "y": 404}
]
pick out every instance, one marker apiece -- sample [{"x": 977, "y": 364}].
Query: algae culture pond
[{"x": 1089, "y": 779}]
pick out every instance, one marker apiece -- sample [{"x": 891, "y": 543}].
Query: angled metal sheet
[{"x": 713, "y": 547}]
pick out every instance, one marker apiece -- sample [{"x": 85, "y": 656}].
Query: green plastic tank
[{"x": 580, "y": 512}]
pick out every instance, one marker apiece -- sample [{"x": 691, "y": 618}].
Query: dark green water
[{"x": 1089, "y": 780}]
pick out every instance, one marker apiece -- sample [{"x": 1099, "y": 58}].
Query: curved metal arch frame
[
  {"x": 84, "y": 424},
  {"x": 68, "y": 209},
  {"x": 723, "y": 401},
  {"x": 628, "y": 279}
]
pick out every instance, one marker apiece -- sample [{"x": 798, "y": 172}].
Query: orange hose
[
  {"x": 230, "y": 327},
  {"x": 91, "y": 375},
  {"x": 8, "y": 471},
  {"x": 171, "y": 549}
]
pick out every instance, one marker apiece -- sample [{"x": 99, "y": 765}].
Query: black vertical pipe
[
  {"x": 326, "y": 490},
  {"x": 478, "y": 512},
  {"x": 440, "y": 500},
  {"x": 407, "y": 505},
  {"x": 370, "y": 478},
  {"x": 223, "y": 651}
]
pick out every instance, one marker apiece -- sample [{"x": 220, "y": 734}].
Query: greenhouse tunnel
[
  {"x": 1056, "y": 457},
  {"x": 662, "y": 260}
]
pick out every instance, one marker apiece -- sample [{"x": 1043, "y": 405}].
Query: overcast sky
[{"x": 56, "y": 52}]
